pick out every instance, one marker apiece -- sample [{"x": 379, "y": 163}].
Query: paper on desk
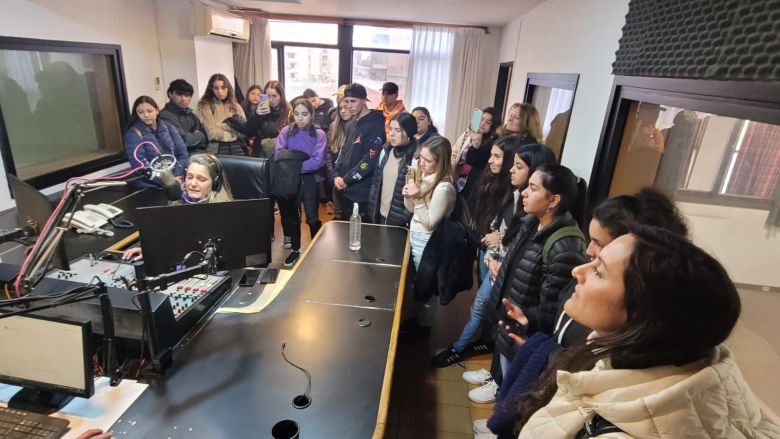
[
  {"x": 269, "y": 293},
  {"x": 100, "y": 411}
]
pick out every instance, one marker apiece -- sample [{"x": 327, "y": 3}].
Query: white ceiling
[{"x": 465, "y": 12}]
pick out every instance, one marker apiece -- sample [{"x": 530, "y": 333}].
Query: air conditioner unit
[{"x": 222, "y": 24}]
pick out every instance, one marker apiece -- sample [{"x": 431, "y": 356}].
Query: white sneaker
[
  {"x": 485, "y": 436},
  {"x": 477, "y": 376},
  {"x": 485, "y": 394},
  {"x": 480, "y": 426}
]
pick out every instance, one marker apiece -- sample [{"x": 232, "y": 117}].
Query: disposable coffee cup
[{"x": 287, "y": 429}]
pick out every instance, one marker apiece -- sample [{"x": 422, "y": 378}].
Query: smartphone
[
  {"x": 249, "y": 278},
  {"x": 476, "y": 118},
  {"x": 264, "y": 104},
  {"x": 269, "y": 275},
  {"x": 514, "y": 327},
  {"x": 411, "y": 173}
]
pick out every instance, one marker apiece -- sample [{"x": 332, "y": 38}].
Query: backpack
[
  {"x": 286, "y": 173},
  {"x": 563, "y": 232}
]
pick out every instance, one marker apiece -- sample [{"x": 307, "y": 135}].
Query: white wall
[
  {"x": 569, "y": 36},
  {"x": 213, "y": 55},
  {"x": 489, "y": 60}
]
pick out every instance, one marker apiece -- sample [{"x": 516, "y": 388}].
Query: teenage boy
[
  {"x": 358, "y": 156},
  {"x": 178, "y": 112},
  {"x": 322, "y": 109},
  {"x": 390, "y": 105}
]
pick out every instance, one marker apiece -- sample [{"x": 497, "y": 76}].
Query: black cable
[{"x": 308, "y": 377}]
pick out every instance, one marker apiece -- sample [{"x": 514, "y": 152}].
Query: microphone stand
[{"x": 161, "y": 361}]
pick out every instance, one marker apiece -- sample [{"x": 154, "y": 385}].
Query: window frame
[
  {"x": 344, "y": 45},
  {"x": 114, "y": 52},
  {"x": 564, "y": 81},
  {"x": 755, "y": 101}
]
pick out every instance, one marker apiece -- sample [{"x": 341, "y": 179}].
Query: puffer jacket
[
  {"x": 700, "y": 400},
  {"x": 535, "y": 287},
  {"x": 398, "y": 214},
  {"x": 167, "y": 139}
]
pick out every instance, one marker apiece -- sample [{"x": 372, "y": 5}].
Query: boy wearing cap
[
  {"x": 359, "y": 155},
  {"x": 390, "y": 105}
]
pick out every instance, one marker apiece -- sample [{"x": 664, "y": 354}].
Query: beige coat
[
  {"x": 705, "y": 399},
  {"x": 428, "y": 214},
  {"x": 216, "y": 130}
]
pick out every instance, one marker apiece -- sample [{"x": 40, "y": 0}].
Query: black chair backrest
[{"x": 249, "y": 177}]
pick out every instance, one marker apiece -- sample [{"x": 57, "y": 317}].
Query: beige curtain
[
  {"x": 462, "y": 96},
  {"x": 252, "y": 60}
]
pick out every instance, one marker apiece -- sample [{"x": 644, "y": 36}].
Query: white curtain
[
  {"x": 430, "y": 63},
  {"x": 463, "y": 80},
  {"x": 443, "y": 75},
  {"x": 252, "y": 60}
]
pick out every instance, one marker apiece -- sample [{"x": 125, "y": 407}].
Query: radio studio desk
[{"x": 338, "y": 314}]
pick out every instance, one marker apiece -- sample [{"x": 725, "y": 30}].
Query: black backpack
[{"x": 286, "y": 173}]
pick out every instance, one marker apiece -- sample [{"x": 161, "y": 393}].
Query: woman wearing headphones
[{"x": 204, "y": 182}]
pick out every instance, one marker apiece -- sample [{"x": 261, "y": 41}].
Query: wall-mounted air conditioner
[{"x": 222, "y": 24}]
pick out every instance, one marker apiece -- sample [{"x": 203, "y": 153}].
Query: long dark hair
[
  {"x": 427, "y": 114},
  {"x": 680, "y": 304},
  {"x": 141, "y": 100},
  {"x": 495, "y": 118},
  {"x": 559, "y": 180},
  {"x": 649, "y": 207},
  {"x": 495, "y": 190},
  {"x": 284, "y": 106},
  {"x": 249, "y": 108},
  {"x": 209, "y": 97},
  {"x": 533, "y": 155}
]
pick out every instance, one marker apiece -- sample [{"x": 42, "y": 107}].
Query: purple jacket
[{"x": 303, "y": 141}]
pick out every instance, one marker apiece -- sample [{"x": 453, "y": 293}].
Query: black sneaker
[
  {"x": 292, "y": 258},
  {"x": 478, "y": 348},
  {"x": 447, "y": 357}
]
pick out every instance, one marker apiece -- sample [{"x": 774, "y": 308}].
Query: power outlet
[{"x": 157, "y": 83}]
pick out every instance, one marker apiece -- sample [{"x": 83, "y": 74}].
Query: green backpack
[{"x": 563, "y": 232}]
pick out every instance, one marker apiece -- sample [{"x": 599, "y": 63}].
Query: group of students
[{"x": 620, "y": 335}]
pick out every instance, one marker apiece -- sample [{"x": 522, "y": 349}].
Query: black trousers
[{"x": 290, "y": 211}]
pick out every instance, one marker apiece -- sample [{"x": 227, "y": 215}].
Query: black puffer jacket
[
  {"x": 322, "y": 114},
  {"x": 532, "y": 285},
  {"x": 398, "y": 214}
]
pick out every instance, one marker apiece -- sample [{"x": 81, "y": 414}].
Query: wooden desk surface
[{"x": 231, "y": 380}]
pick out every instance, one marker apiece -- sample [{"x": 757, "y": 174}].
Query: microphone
[
  {"x": 300, "y": 401},
  {"x": 171, "y": 187}
]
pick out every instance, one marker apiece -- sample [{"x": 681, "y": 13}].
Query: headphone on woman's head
[{"x": 216, "y": 182}]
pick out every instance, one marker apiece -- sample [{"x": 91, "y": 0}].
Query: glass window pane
[
  {"x": 60, "y": 109},
  {"x": 679, "y": 149},
  {"x": 274, "y": 65},
  {"x": 554, "y": 106},
  {"x": 298, "y": 32},
  {"x": 372, "y": 69},
  {"x": 382, "y": 37},
  {"x": 308, "y": 67}
]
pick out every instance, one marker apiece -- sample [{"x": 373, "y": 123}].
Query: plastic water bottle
[{"x": 354, "y": 228}]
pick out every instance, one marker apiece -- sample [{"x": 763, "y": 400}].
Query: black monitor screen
[
  {"x": 34, "y": 207},
  {"x": 240, "y": 230},
  {"x": 46, "y": 354}
]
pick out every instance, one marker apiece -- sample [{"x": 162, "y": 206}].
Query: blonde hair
[
  {"x": 212, "y": 163},
  {"x": 530, "y": 121},
  {"x": 441, "y": 149},
  {"x": 338, "y": 133}
]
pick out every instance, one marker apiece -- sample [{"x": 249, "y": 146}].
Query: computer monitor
[
  {"x": 33, "y": 206},
  {"x": 241, "y": 231},
  {"x": 50, "y": 358}
]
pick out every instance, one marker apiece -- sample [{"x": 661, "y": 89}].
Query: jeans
[
  {"x": 482, "y": 266},
  {"x": 290, "y": 210},
  {"x": 426, "y": 312},
  {"x": 480, "y": 306}
]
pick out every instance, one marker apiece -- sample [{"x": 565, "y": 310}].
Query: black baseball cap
[
  {"x": 355, "y": 90},
  {"x": 390, "y": 87}
]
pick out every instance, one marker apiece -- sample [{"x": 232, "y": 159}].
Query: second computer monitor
[{"x": 240, "y": 230}]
